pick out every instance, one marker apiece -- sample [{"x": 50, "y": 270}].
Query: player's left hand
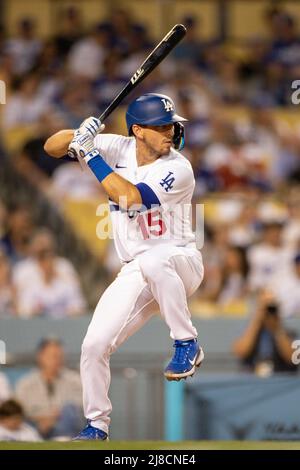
[
  {"x": 82, "y": 146},
  {"x": 91, "y": 126}
]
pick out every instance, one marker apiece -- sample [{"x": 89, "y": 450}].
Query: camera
[{"x": 272, "y": 309}]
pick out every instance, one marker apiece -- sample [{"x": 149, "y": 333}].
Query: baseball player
[{"x": 149, "y": 185}]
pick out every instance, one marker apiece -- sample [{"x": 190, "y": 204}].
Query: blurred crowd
[
  {"x": 243, "y": 140},
  {"x": 252, "y": 243},
  {"x": 34, "y": 280},
  {"x": 244, "y": 149},
  {"x": 46, "y": 402}
]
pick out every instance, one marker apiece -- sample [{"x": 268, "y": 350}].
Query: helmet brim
[{"x": 177, "y": 118}]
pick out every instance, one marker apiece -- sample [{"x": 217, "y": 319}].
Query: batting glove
[
  {"x": 91, "y": 126},
  {"x": 82, "y": 147}
]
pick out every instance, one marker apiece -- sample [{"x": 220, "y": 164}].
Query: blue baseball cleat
[
  {"x": 90, "y": 433},
  {"x": 188, "y": 355}
]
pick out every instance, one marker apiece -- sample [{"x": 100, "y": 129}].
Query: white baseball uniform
[{"x": 161, "y": 265}]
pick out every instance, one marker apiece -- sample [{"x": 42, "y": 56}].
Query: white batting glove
[
  {"x": 82, "y": 147},
  {"x": 91, "y": 126}
]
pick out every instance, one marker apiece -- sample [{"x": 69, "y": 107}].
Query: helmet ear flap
[{"x": 178, "y": 139}]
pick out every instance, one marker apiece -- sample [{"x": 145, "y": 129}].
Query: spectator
[
  {"x": 285, "y": 45},
  {"x": 223, "y": 156},
  {"x": 25, "y": 47},
  {"x": 124, "y": 31},
  {"x": 233, "y": 276},
  {"x": 214, "y": 249},
  {"x": 47, "y": 284},
  {"x": 268, "y": 259},
  {"x": 33, "y": 162},
  {"x": 226, "y": 84},
  {"x": 86, "y": 56},
  {"x": 108, "y": 85},
  {"x": 7, "y": 293},
  {"x": 287, "y": 289},
  {"x": 27, "y": 104},
  {"x": 51, "y": 394},
  {"x": 265, "y": 346},
  {"x": 243, "y": 231},
  {"x": 5, "y": 390},
  {"x": 75, "y": 102},
  {"x": 190, "y": 50},
  {"x": 70, "y": 24},
  {"x": 15, "y": 241},
  {"x": 69, "y": 181},
  {"x": 12, "y": 424}
]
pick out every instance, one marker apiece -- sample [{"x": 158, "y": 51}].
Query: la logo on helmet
[{"x": 168, "y": 106}]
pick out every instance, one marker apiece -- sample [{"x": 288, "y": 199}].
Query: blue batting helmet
[{"x": 154, "y": 109}]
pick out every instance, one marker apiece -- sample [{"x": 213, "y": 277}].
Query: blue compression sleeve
[
  {"x": 149, "y": 197},
  {"x": 100, "y": 168}
]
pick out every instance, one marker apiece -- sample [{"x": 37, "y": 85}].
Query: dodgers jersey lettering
[{"x": 172, "y": 180}]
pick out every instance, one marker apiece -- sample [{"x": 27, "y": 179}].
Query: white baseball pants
[{"x": 164, "y": 275}]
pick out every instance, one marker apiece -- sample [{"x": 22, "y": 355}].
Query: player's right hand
[
  {"x": 82, "y": 146},
  {"x": 71, "y": 149},
  {"x": 91, "y": 126}
]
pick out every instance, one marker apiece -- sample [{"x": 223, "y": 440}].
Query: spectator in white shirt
[
  {"x": 46, "y": 284},
  {"x": 27, "y": 105},
  {"x": 24, "y": 48},
  {"x": 12, "y": 424},
  {"x": 87, "y": 55},
  {"x": 269, "y": 259}
]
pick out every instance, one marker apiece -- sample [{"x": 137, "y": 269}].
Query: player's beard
[
  {"x": 162, "y": 149},
  {"x": 155, "y": 150},
  {"x": 166, "y": 149}
]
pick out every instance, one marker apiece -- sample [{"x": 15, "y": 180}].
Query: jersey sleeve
[
  {"x": 171, "y": 183},
  {"x": 109, "y": 147}
]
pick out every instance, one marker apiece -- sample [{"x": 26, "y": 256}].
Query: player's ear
[{"x": 137, "y": 131}]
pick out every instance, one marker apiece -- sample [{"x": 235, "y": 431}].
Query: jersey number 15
[{"x": 151, "y": 224}]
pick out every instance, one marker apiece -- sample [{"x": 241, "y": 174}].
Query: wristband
[{"x": 99, "y": 167}]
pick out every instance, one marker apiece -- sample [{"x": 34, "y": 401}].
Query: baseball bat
[{"x": 153, "y": 60}]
